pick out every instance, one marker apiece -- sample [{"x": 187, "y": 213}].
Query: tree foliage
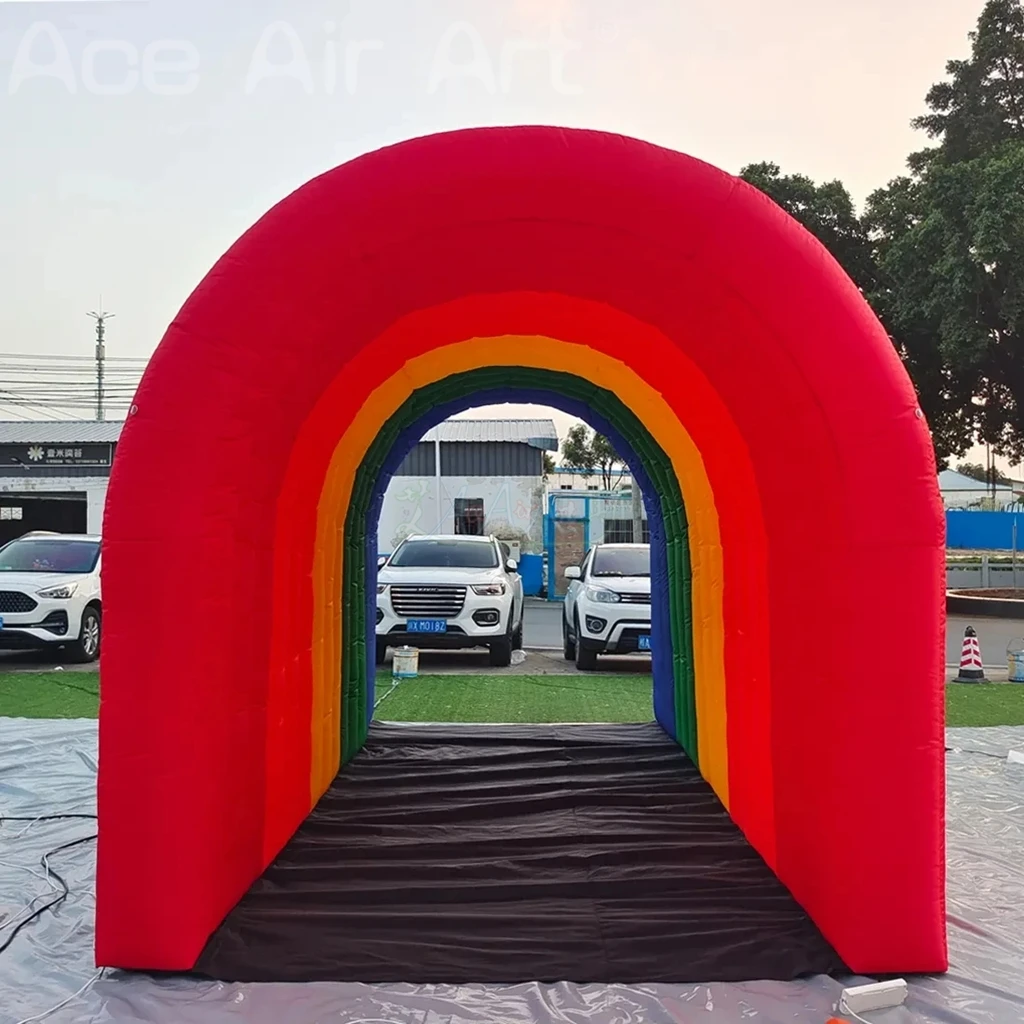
[
  {"x": 587, "y": 452},
  {"x": 981, "y": 104},
  {"x": 826, "y": 210},
  {"x": 939, "y": 252}
]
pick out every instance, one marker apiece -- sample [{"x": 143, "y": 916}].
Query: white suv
[
  {"x": 50, "y": 594},
  {"x": 608, "y": 606},
  {"x": 449, "y": 592}
]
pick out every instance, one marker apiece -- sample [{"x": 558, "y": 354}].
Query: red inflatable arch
[{"x": 633, "y": 278}]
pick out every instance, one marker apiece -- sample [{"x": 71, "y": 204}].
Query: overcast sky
[{"x": 139, "y": 138}]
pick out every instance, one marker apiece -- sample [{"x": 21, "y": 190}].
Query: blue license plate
[
  {"x": 644, "y": 643},
  {"x": 427, "y": 626}
]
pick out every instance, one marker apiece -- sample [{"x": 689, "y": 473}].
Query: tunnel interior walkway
[{"x": 501, "y": 854}]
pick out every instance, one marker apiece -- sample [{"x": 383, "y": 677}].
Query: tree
[
  {"x": 577, "y": 452},
  {"x": 939, "y": 253},
  {"x": 958, "y": 266},
  {"x": 585, "y": 453},
  {"x": 607, "y": 460},
  {"x": 549, "y": 465},
  {"x": 826, "y": 210},
  {"x": 949, "y": 240},
  {"x": 904, "y": 250},
  {"x": 976, "y": 471},
  {"x": 982, "y": 103}
]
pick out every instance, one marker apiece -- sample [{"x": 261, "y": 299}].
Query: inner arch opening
[{"x": 672, "y": 618}]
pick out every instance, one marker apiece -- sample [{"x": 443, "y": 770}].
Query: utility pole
[
  {"x": 101, "y": 354},
  {"x": 638, "y": 513}
]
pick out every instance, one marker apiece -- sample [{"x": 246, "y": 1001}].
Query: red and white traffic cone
[{"x": 971, "y": 668}]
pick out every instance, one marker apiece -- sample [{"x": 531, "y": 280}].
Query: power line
[{"x": 67, "y": 386}]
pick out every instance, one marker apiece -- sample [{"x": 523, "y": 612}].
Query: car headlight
[
  {"x": 489, "y": 589},
  {"x": 603, "y": 596},
  {"x": 61, "y": 593},
  {"x": 381, "y": 588}
]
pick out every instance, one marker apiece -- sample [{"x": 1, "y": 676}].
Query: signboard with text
[{"x": 32, "y": 456}]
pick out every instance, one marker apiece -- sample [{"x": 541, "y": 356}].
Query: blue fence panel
[{"x": 983, "y": 531}]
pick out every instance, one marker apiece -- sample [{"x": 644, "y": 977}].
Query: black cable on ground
[
  {"x": 60, "y": 897},
  {"x": 72, "y": 686},
  {"x": 50, "y": 817}
]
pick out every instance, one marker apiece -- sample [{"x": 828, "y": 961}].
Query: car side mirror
[
  {"x": 572, "y": 572},
  {"x": 381, "y": 562},
  {"x": 512, "y": 565}
]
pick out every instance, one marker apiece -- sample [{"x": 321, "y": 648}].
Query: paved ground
[
  {"x": 542, "y": 637},
  {"x": 542, "y": 623},
  {"x": 542, "y": 634},
  {"x": 35, "y": 662},
  {"x": 993, "y": 635}
]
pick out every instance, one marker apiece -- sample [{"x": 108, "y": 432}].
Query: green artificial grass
[
  {"x": 984, "y": 704},
  {"x": 494, "y": 698},
  {"x": 486, "y": 698},
  {"x": 49, "y": 694}
]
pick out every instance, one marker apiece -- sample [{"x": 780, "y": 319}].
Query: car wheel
[
  {"x": 586, "y": 660},
  {"x": 501, "y": 650},
  {"x": 86, "y": 648},
  {"x": 568, "y": 644},
  {"x": 517, "y": 637},
  {"x": 382, "y": 652}
]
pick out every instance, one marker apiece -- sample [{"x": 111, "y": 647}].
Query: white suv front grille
[
  {"x": 635, "y": 598},
  {"x": 410, "y": 602}
]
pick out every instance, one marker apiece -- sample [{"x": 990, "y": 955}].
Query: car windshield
[
  {"x": 446, "y": 554},
  {"x": 49, "y": 554},
  {"x": 622, "y": 562}
]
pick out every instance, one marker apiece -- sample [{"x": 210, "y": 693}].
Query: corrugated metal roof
[
  {"x": 59, "y": 431},
  {"x": 537, "y": 433},
  {"x": 951, "y": 480}
]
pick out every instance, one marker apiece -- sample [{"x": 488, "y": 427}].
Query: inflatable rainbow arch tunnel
[{"x": 673, "y": 306}]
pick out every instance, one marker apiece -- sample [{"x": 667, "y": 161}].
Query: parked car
[
  {"x": 607, "y": 608},
  {"x": 450, "y": 592},
  {"x": 50, "y": 594}
]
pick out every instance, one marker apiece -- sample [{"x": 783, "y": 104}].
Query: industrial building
[{"x": 465, "y": 476}]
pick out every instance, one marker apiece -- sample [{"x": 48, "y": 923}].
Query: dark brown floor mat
[{"x": 501, "y": 854}]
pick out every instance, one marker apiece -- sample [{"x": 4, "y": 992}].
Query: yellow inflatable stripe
[{"x": 663, "y": 424}]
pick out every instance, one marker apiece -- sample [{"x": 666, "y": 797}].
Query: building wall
[
  {"x": 568, "y": 480},
  {"x": 473, "y": 459},
  {"x": 411, "y": 506},
  {"x": 981, "y": 498},
  {"x": 93, "y": 487}
]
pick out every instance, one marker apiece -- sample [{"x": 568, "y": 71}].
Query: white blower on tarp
[{"x": 971, "y": 668}]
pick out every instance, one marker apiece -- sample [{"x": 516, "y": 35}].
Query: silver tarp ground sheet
[{"x": 49, "y": 768}]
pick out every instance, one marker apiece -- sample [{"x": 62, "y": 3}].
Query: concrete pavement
[
  {"x": 542, "y": 623},
  {"x": 993, "y": 636},
  {"x": 542, "y": 636}
]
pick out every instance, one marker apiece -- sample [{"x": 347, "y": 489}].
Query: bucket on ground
[
  {"x": 406, "y": 663},
  {"x": 1015, "y": 659}
]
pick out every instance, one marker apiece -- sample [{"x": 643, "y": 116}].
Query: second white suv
[
  {"x": 608, "y": 606},
  {"x": 450, "y": 592},
  {"x": 50, "y": 594}
]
